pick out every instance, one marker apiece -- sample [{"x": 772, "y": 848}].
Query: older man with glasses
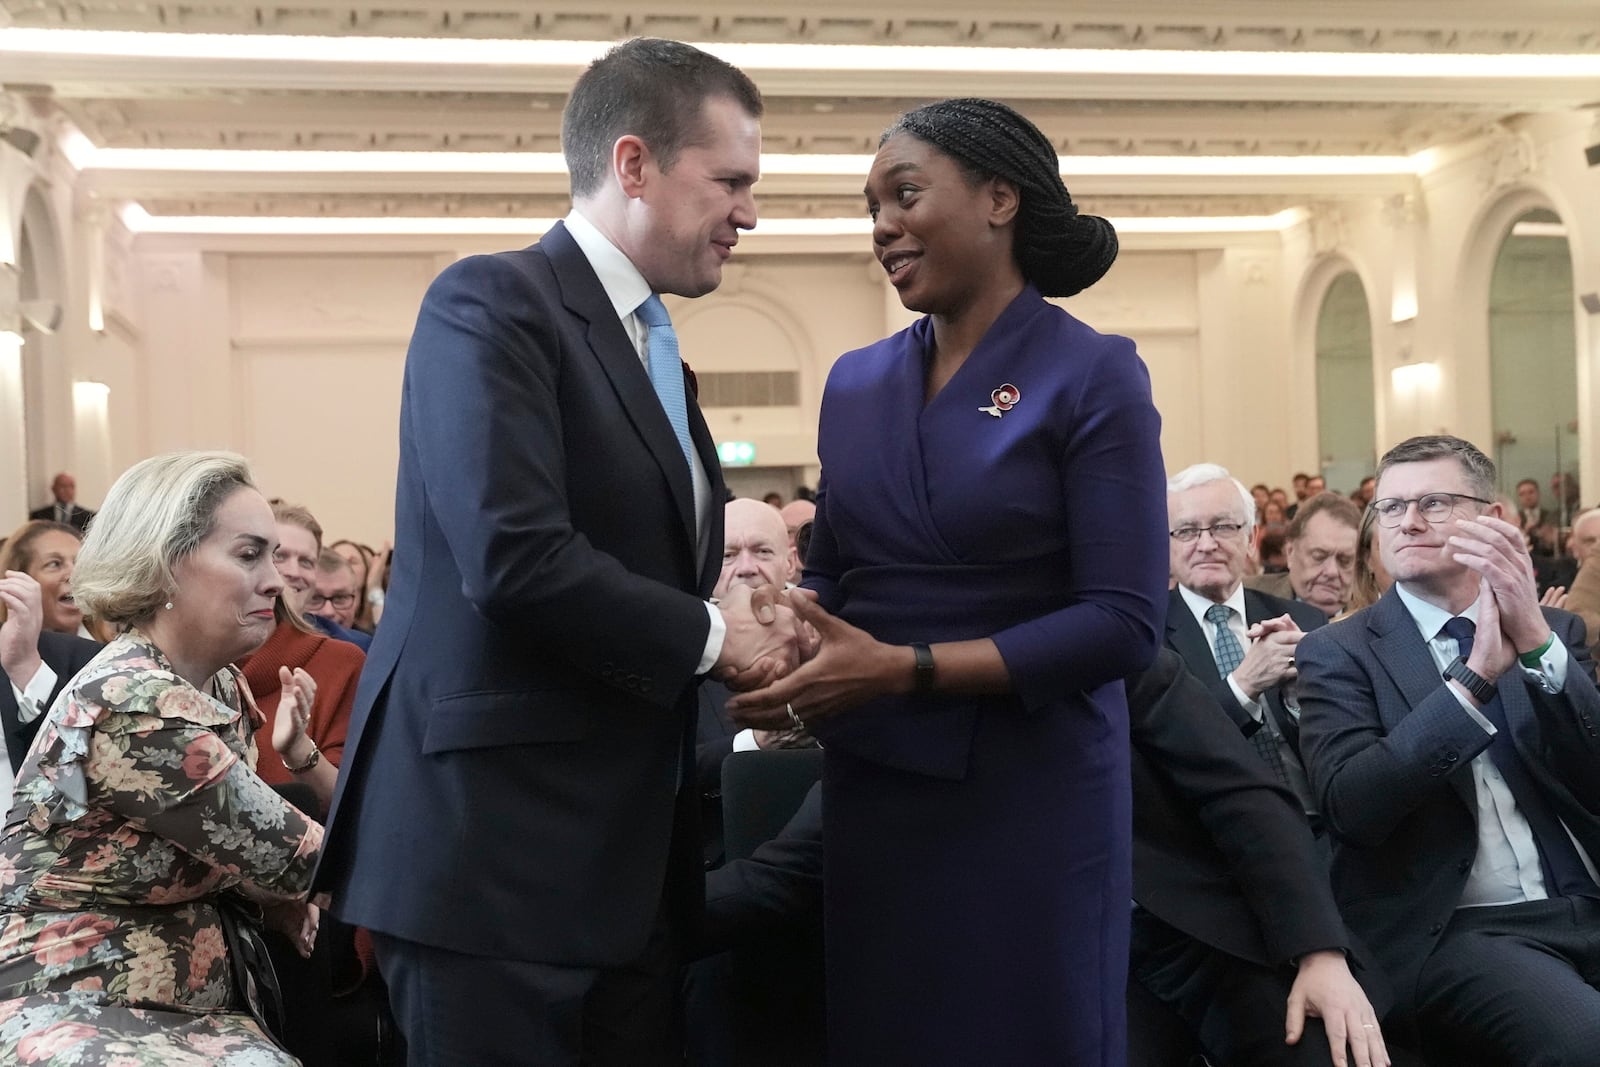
[
  {"x": 1240, "y": 642},
  {"x": 335, "y": 592}
]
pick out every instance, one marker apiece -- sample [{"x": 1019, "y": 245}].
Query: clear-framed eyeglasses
[{"x": 1434, "y": 507}]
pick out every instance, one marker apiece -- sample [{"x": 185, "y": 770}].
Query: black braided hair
[{"x": 1060, "y": 251}]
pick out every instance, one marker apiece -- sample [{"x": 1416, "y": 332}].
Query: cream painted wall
[{"x": 290, "y": 349}]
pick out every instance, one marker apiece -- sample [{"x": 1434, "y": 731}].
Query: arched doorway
[
  {"x": 1346, "y": 411},
  {"x": 1533, "y": 362}
]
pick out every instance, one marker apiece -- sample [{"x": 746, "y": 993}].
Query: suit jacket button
[
  {"x": 1464, "y": 866},
  {"x": 1436, "y": 929},
  {"x": 1452, "y": 757}
]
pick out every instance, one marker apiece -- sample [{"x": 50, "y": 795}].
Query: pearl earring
[{"x": 169, "y": 605}]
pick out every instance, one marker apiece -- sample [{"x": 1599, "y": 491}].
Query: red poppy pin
[{"x": 1002, "y": 399}]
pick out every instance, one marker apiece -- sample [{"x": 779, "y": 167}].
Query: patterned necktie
[
  {"x": 1564, "y": 873},
  {"x": 666, "y": 371},
  {"x": 1230, "y": 655}
]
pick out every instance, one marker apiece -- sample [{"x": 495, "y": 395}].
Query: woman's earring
[{"x": 169, "y": 605}]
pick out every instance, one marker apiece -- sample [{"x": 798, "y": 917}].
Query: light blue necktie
[{"x": 666, "y": 371}]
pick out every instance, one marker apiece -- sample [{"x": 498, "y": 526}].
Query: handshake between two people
[{"x": 790, "y": 662}]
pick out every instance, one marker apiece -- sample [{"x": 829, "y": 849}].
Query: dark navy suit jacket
[
  {"x": 510, "y": 783},
  {"x": 1187, "y": 639},
  {"x": 62, "y": 653},
  {"x": 1388, "y": 748}
]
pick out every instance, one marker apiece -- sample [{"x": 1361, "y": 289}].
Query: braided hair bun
[{"x": 1060, "y": 251}]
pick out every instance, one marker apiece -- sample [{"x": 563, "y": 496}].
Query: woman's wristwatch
[{"x": 311, "y": 760}]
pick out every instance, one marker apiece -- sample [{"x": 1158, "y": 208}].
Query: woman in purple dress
[{"x": 988, "y": 562}]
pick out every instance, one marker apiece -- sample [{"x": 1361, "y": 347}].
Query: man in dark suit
[
  {"x": 1452, "y": 731},
  {"x": 1240, "y": 642},
  {"x": 37, "y": 664},
  {"x": 65, "y": 507},
  {"x": 515, "y": 817},
  {"x": 1236, "y": 928}
]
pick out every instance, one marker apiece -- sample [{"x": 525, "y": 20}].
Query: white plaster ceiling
[{"x": 289, "y": 103}]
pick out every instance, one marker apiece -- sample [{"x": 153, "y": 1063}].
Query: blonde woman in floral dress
[{"x": 138, "y": 820}]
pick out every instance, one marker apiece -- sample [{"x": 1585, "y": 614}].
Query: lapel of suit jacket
[
  {"x": 585, "y": 297},
  {"x": 1186, "y": 638},
  {"x": 1255, "y": 610},
  {"x": 1404, "y": 655}
]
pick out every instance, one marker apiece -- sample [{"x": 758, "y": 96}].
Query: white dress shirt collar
[
  {"x": 625, "y": 287},
  {"x": 1429, "y": 618},
  {"x": 1198, "y": 604}
]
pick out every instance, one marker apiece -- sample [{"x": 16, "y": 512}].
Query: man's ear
[{"x": 632, "y": 164}]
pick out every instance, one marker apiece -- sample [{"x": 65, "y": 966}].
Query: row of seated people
[
  {"x": 1469, "y": 896},
  {"x": 1236, "y": 932}
]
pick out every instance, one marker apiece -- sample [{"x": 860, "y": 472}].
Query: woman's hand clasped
[{"x": 848, "y": 667}]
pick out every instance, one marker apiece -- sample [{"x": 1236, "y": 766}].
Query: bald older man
[{"x": 757, "y": 550}]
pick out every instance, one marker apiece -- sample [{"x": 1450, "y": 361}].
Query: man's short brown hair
[{"x": 1334, "y": 505}]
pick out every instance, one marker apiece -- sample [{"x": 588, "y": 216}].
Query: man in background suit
[
  {"x": 1452, "y": 731},
  {"x": 515, "y": 818},
  {"x": 64, "y": 508},
  {"x": 1238, "y": 641},
  {"x": 755, "y": 553},
  {"x": 37, "y": 664}
]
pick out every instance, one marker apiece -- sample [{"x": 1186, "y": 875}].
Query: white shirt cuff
[
  {"x": 714, "y": 639},
  {"x": 1252, "y": 706},
  {"x": 32, "y": 698},
  {"x": 745, "y": 741},
  {"x": 1551, "y": 674},
  {"x": 1477, "y": 716}
]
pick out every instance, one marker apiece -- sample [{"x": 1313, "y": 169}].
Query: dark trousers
[
  {"x": 1515, "y": 984},
  {"x": 1236, "y": 1008},
  {"x": 479, "y": 1011}
]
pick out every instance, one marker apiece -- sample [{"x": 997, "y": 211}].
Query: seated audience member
[
  {"x": 299, "y": 546},
  {"x": 336, "y": 591},
  {"x": 1240, "y": 642},
  {"x": 144, "y": 853},
  {"x": 1365, "y": 492},
  {"x": 773, "y": 500},
  {"x": 756, "y": 554},
  {"x": 37, "y": 664},
  {"x": 796, "y": 513},
  {"x": 1261, "y": 495},
  {"x": 1371, "y": 580},
  {"x": 47, "y": 552},
  {"x": 1535, "y": 521},
  {"x": 64, "y": 508},
  {"x": 1320, "y": 550},
  {"x": 1271, "y": 548},
  {"x": 359, "y": 557},
  {"x": 1279, "y": 497},
  {"x": 312, "y": 747},
  {"x": 1235, "y": 926},
  {"x": 1274, "y": 516},
  {"x": 1583, "y": 599},
  {"x": 1449, "y": 731},
  {"x": 1312, "y": 485}
]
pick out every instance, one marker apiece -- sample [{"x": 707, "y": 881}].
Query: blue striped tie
[{"x": 666, "y": 371}]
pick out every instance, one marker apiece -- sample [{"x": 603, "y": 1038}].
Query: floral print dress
[{"x": 135, "y": 813}]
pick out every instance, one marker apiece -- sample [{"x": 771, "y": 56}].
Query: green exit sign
[{"x": 736, "y": 453}]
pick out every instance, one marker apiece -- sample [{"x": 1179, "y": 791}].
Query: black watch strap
[
  {"x": 1481, "y": 688},
  {"x": 924, "y": 675}
]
